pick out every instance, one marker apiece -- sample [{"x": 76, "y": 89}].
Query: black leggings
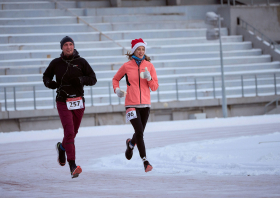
[{"x": 139, "y": 125}]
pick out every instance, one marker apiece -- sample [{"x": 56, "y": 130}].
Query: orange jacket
[{"x": 138, "y": 91}]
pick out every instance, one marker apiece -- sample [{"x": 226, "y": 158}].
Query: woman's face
[{"x": 140, "y": 52}]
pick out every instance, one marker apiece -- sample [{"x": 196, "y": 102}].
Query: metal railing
[
  {"x": 88, "y": 24},
  {"x": 257, "y": 33},
  {"x": 181, "y": 88},
  {"x": 267, "y": 2},
  {"x": 276, "y": 101}
]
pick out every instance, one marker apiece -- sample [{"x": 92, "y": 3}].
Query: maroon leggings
[{"x": 71, "y": 120}]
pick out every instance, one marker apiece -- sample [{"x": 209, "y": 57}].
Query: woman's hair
[{"x": 129, "y": 56}]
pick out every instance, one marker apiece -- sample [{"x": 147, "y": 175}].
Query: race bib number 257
[
  {"x": 130, "y": 114},
  {"x": 75, "y": 103}
]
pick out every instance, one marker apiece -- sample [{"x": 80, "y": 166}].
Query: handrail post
[
  {"x": 15, "y": 104},
  {"x": 214, "y": 90},
  {"x": 53, "y": 99},
  {"x": 91, "y": 97},
  {"x": 110, "y": 99},
  {"x": 256, "y": 83},
  {"x": 275, "y": 84},
  {"x": 177, "y": 94},
  {"x": 34, "y": 97},
  {"x": 158, "y": 94},
  {"x": 5, "y": 93},
  {"x": 195, "y": 88},
  {"x": 242, "y": 86}
]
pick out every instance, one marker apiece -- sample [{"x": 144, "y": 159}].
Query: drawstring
[{"x": 68, "y": 62}]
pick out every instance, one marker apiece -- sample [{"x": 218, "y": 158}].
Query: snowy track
[{"x": 200, "y": 158}]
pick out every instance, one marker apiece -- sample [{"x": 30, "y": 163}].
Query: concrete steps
[
  {"x": 30, "y": 35},
  {"x": 35, "y": 5},
  {"x": 175, "y": 63},
  {"x": 38, "y": 69},
  {"x": 164, "y": 77},
  {"x": 125, "y": 42},
  {"x": 62, "y": 20},
  {"x": 25, "y": 5},
  {"x": 193, "y": 12},
  {"x": 95, "y": 36},
  {"x": 187, "y": 66},
  {"x": 58, "y": 28},
  {"x": 118, "y": 51}
]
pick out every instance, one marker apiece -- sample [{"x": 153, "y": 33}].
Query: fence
[
  {"x": 257, "y": 33},
  {"x": 252, "y": 2},
  {"x": 276, "y": 101},
  {"x": 27, "y": 97}
]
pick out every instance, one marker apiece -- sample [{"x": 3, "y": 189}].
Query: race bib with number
[
  {"x": 130, "y": 114},
  {"x": 75, "y": 103}
]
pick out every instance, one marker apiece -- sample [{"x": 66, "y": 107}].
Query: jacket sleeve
[
  {"x": 118, "y": 76},
  {"x": 153, "y": 84},
  {"x": 89, "y": 77},
  {"x": 48, "y": 74}
]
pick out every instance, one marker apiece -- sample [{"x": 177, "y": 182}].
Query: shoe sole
[
  {"x": 149, "y": 168},
  {"x": 76, "y": 172},
  {"x": 61, "y": 164}
]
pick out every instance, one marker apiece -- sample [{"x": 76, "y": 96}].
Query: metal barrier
[
  {"x": 276, "y": 101},
  {"x": 251, "y": 2},
  {"x": 257, "y": 33},
  {"x": 181, "y": 88},
  {"x": 88, "y": 24}
]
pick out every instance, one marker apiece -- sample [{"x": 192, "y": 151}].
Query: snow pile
[{"x": 255, "y": 155}]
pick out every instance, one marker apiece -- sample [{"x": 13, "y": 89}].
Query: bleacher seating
[{"x": 188, "y": 66}]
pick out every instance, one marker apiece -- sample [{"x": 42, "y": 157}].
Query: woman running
[{"x": 140, "y": 78}]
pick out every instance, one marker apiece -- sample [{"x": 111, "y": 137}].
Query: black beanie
[{"x": 66, "y": 39}]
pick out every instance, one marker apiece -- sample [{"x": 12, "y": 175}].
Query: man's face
[{"x": 68, "y": 48}]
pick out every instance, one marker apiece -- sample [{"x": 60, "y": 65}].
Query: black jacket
[{"x": 71, "y": 73}]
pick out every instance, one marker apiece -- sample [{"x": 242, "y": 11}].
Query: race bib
[
  {"x": 130, "y": 114},
  {"x": 75, "y": 103}
]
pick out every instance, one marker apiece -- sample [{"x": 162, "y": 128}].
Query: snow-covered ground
[
  {"x": 249, "y": 155},
  {"x": 233, "y": 157}
]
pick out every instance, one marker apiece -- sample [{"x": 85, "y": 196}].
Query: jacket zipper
[{"x": 139, "y": 80}]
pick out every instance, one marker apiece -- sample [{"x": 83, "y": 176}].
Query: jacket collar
[{"x": 73, "y": 56}]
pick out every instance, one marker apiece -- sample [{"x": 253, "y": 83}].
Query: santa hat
[{"x": 137, "y": 43}]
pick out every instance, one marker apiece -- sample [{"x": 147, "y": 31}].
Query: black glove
[
  {"x": 76, "y": 81},
  {"x": 52, "y": 84}
]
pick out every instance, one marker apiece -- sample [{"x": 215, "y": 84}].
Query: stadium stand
[{"x": 188, "y": 66}]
